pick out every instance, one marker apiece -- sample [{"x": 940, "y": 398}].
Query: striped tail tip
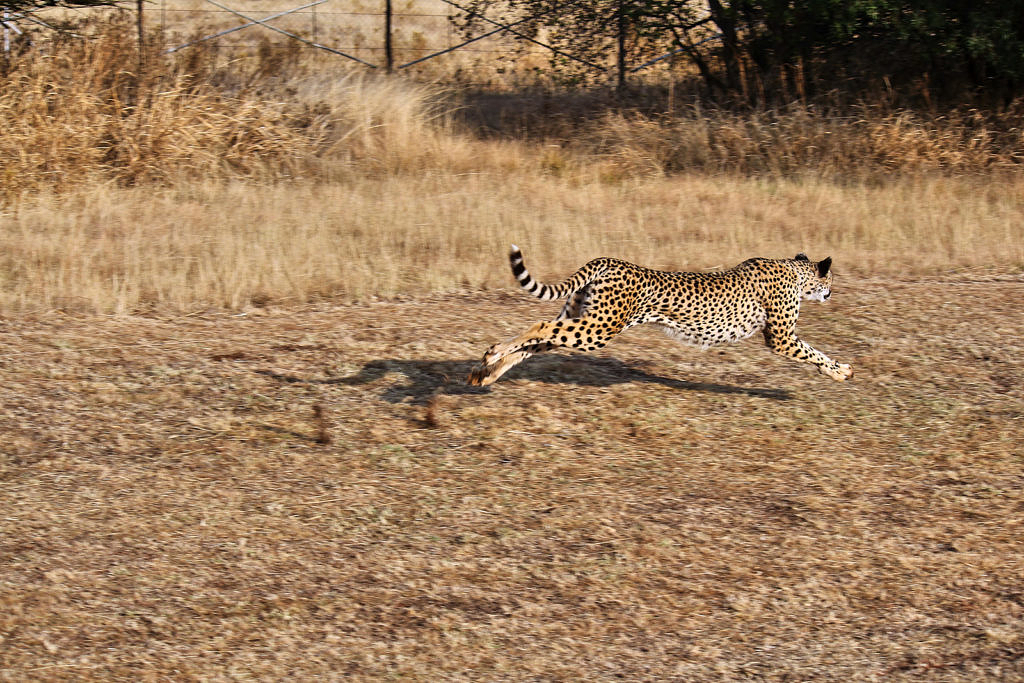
[
  {"x": 518, "y": 269},
  {"x": 541, "y": 291}
]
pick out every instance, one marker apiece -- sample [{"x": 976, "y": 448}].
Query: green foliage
[{"x": 765, "y": 50}]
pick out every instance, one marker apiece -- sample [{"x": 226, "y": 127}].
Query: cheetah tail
[{"x": 579, "y": 279}]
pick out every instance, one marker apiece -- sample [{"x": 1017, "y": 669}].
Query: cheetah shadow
[{"x": 422, "y": 379}]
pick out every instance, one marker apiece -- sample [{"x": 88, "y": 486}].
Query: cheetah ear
[
  {"x": 824, "y": 266},
  {"x": 801, "y": 257}
]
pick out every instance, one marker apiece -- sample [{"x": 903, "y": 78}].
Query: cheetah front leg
[
  {"x": 780, "y": 337},
  {"x": 584, "y": 334}
]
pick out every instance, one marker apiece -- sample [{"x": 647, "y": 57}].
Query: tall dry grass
[
  {"x": 83, "y": 110},
  {"x": 870, "y": 143},
  {"x": 235, "y": 245},
  {"x": 192, "y": 186},
  {"x": 79, "y": 111}
]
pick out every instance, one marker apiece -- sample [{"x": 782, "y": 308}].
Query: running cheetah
[{"x": 607, "y": 296}]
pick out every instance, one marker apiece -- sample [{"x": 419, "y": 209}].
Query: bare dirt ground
[{"x": 315, "y": 493}]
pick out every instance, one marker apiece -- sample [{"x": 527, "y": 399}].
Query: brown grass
[
  {"x": 258, "y": 480},
  {"x": 234, "y": 246},
  {"x": 81, "y": 110},
  {"x": 650, "y": 512},
  {"x": 871, "y": 143},
  {"x": 78, "y": 113},
  {"x": 198, "y": 184}
]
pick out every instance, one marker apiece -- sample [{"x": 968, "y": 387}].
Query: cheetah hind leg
[
  {"x": 579, "y": 333},
  {"x": 502, "y": 357},
  {"x": 484, "y": 374}
]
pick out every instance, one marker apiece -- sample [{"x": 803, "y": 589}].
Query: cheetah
[{"x": 607, "y": 296}]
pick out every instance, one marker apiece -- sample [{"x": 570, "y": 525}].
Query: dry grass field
[
  {"x": 209, "y": 245},
  {"x": 197, "y": 185},
  {"x": 237, "y": 306},
  {"x": 311, "y": 492}
]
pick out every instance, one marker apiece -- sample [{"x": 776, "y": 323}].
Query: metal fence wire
[
  {"x": 390, "y": 35},
  {"x": 379, "y": 34}
]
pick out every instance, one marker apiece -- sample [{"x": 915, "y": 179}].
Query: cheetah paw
[
  {"x": 840, "y": 373},
  {"x": 480, "y": 376}
]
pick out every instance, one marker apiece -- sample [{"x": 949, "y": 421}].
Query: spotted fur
[{"x": 607, "y": 296}]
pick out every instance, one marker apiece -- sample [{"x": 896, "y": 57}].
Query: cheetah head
[{"x": 816, "y": 283}]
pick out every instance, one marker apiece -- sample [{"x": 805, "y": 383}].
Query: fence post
[
  {"x": 388, "y": 55},
  {"x": 621, "y": 56},
  {"x": 142, "y": 38}
]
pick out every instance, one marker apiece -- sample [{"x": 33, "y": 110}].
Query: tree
[
  {"x": 602, "y": 37},
  {"x": 775, "y": 50}
]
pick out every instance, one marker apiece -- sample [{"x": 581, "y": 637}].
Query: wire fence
[{"x": 378, "y": 33}]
